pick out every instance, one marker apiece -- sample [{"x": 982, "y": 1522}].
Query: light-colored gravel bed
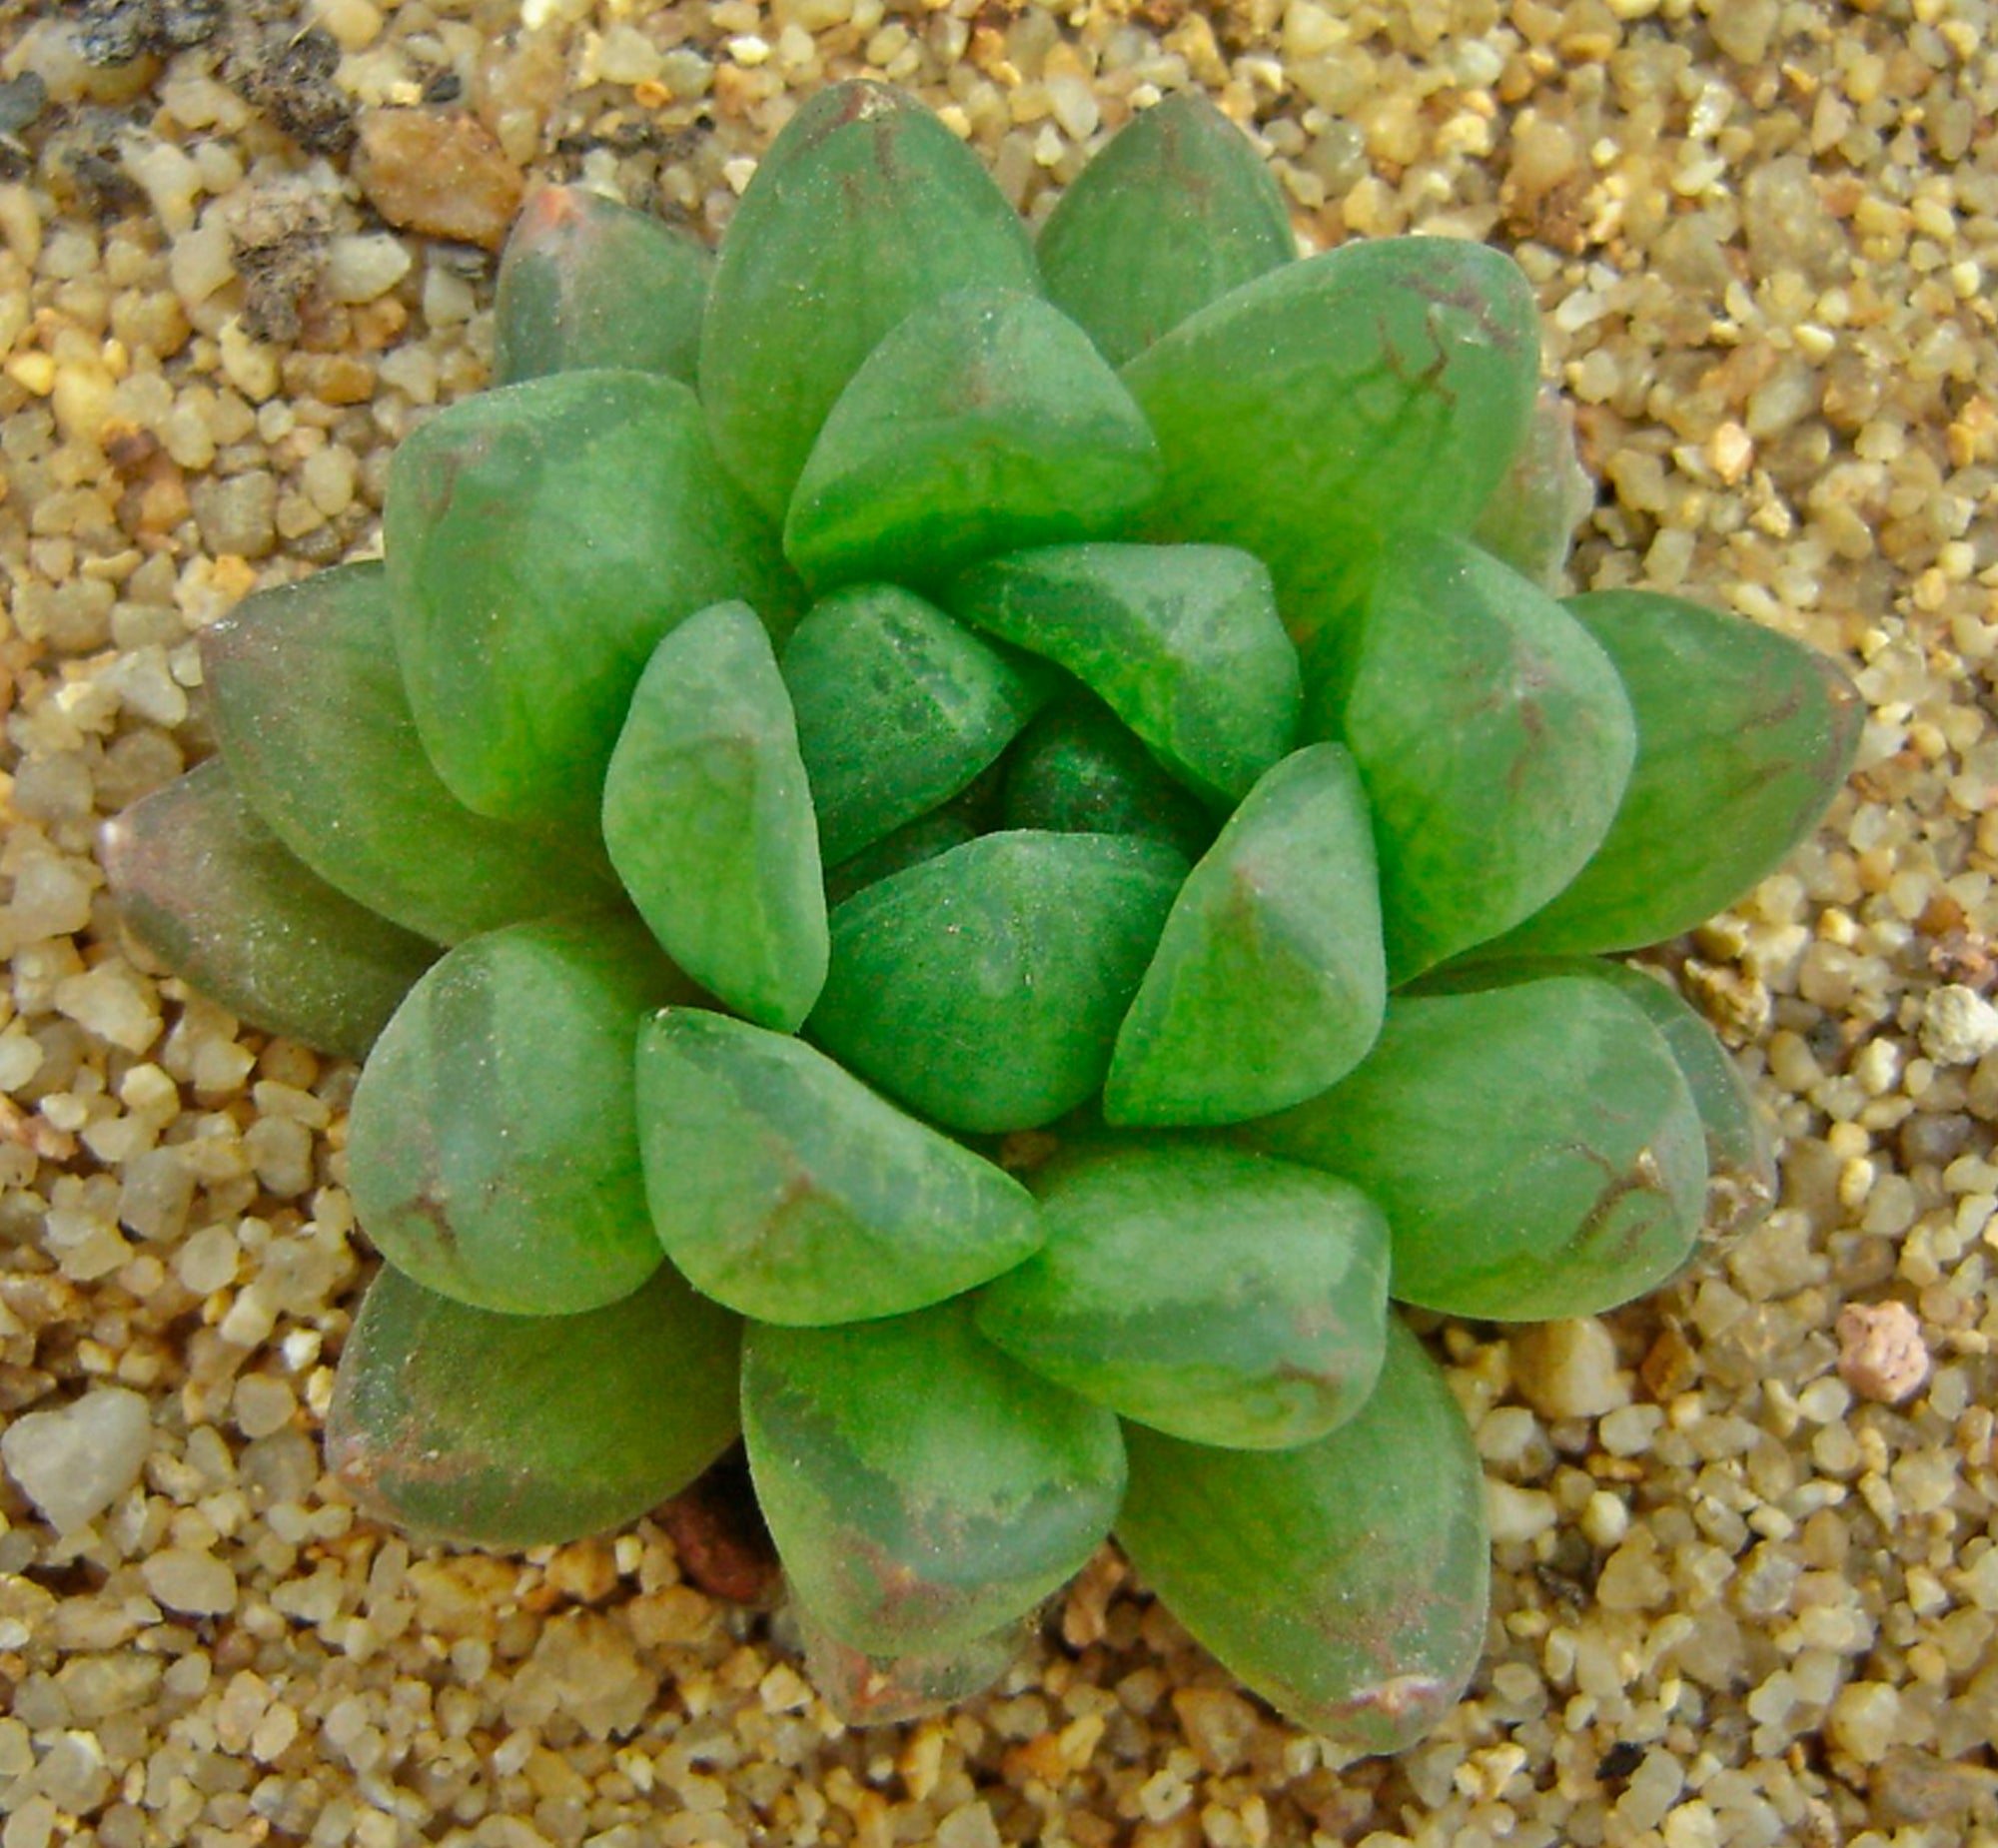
[{"x": 1748, "y": 1584}]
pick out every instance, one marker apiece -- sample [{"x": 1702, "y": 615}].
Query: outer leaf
[
  {"x": 1529, "y": 522},
  {"x": 865, "y": 209},
  {"x": 1535, "y": 1148},
  {"x": 1379, "y": 386},
  {"x": 585, "y": 281},
  {"x": 898, "y": 709},
  {"x": 923, "y": 1489},
  {"x": 541, "y": 540},
  {"x": 1078, "y": 770},
  {"x": 1346, "y": 1582},
  {"x": 311, "y": 715},
  {"x": 1268, "y": 980},
  {"x": 524, "y": 1430},
  {"x": 210, "y": 892},
  {"x": 983, "y": 988},
  {"x": 1743, "y": 739},
  {"x": 1740, "y": 1162},
  {"x": 888, "y": 1690},
  {"x": 1494, "y": 740},
  {"x": 983, "y": 423},
  {"x": 1222, "y": 1297},
  {"x": 1175, "y": 212},
  {"x": 494, "y": 1139},
  {"x": 1182, "y": 643},
  {"x": 708, "y": 818},
  {"x": 784, "y": 1188}
]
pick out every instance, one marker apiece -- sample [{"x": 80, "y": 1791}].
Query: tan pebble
[
  {"x": 1910, "y": 1786},
  {"x": 1219, "y": 1725},
  {"x": 330, "y": 378},
  {"x": 1568, "y": 1369},
  {"x": 442, "y": 175},
  {"x": 1881, "y": 1355}
]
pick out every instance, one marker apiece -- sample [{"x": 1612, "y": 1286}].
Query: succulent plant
[{"x": 960, "y": 854}]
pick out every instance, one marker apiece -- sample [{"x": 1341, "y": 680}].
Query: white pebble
[
  {"x": 359, "y": 268},
  {"x": 195, "y": 1583},
  {"x": 72, "y": 1463},
  {"x": 1958, "y": 1026}
]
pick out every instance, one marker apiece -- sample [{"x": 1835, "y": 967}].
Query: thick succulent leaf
[
  {"x": 541, "y": 540},
  {"x": 708, "y": 818},
  {"x": 585, "y": 281},
  {"x": 1269, "y": 980},
  {"x": 1220, "y": 1296},
  {"x": 312, "y": 718},
  {"x": 1740, "y": 1157},
  {"x": 1493, "y": 735},
  {"x": 1743, "y": 739},
  {"x": 494, "y": 1147},
  {"x": 983, "y": 988},
  {"x": 865, "y": 209},
  {"x": 525, "y": 1431},
  {"x": 1175, "y": 212},
  {"x": 1307, "y": 413},
  {"x": 1077, "y": 769},
  {"x": 909, "y": 845},
  {"x": 1345, "y": 1581},
  {"x": 1530, "y": 520},
  {"x": 783, "y": 1186},
  {"x": 922, "y": 1488},
  {"x": 898, "y": 708},
  {"x": 1182, "y": 643},
  {"x": 889, "y": 1690},
  {"x": 1535, "y": 1148},
  {"x": 215, "y": 895},
  {"x": 983, "y": 423}
]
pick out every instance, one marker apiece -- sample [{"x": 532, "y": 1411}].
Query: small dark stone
[
  {"x": 111, "y": 32},
  {"x": 286, "y": 71},
  {"x": 22, "y": 99},
  {"x": 444, "y": 87},
  {"x": 1618, "y": 1762}
]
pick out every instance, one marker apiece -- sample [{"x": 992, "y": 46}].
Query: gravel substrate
[{"x": 1747, "y": 1582}]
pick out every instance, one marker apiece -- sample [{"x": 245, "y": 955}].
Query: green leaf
[
  {"x": 1493, "y": 735},
  {"x": 1743, "y": 739},
  {"x": 889, "y": 1690},
  {"x": 1218, "y": 1296},
  {"x": 541, "y": 540},
  {"x": 1345, "y": 1581},
  {"x": 585, "y": 281},
  {"x": 312, "y": 718},
  {"x": 1741, "y": 1160},
  {"x": 1077, "y": 769},
  {"x": 1182, "y": 643},
  {"x": 1175, "y": 212},
  {"x": 866, "y": 209},
  {"x": 898, "y": 709},
  {"x": 909, "y": 845},
  {"x": 784, "y": 1188},
  {"x": 983, "y": 987},
  {"x": 1269, "y": 980},
  {"x": 1310, "y": 412},
  {"x": 708, "y": 818},
  {"x": 494, "y": 1147},
  {"x": 983, "y": 423},
  {"x": 210, "y": 891},
  {"x": 922, "y": 1488},
  {"x": 1535, "y": 1148},
  {"x": 528, "y": 1431},
  {"x": 1530, "y": 520}
]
